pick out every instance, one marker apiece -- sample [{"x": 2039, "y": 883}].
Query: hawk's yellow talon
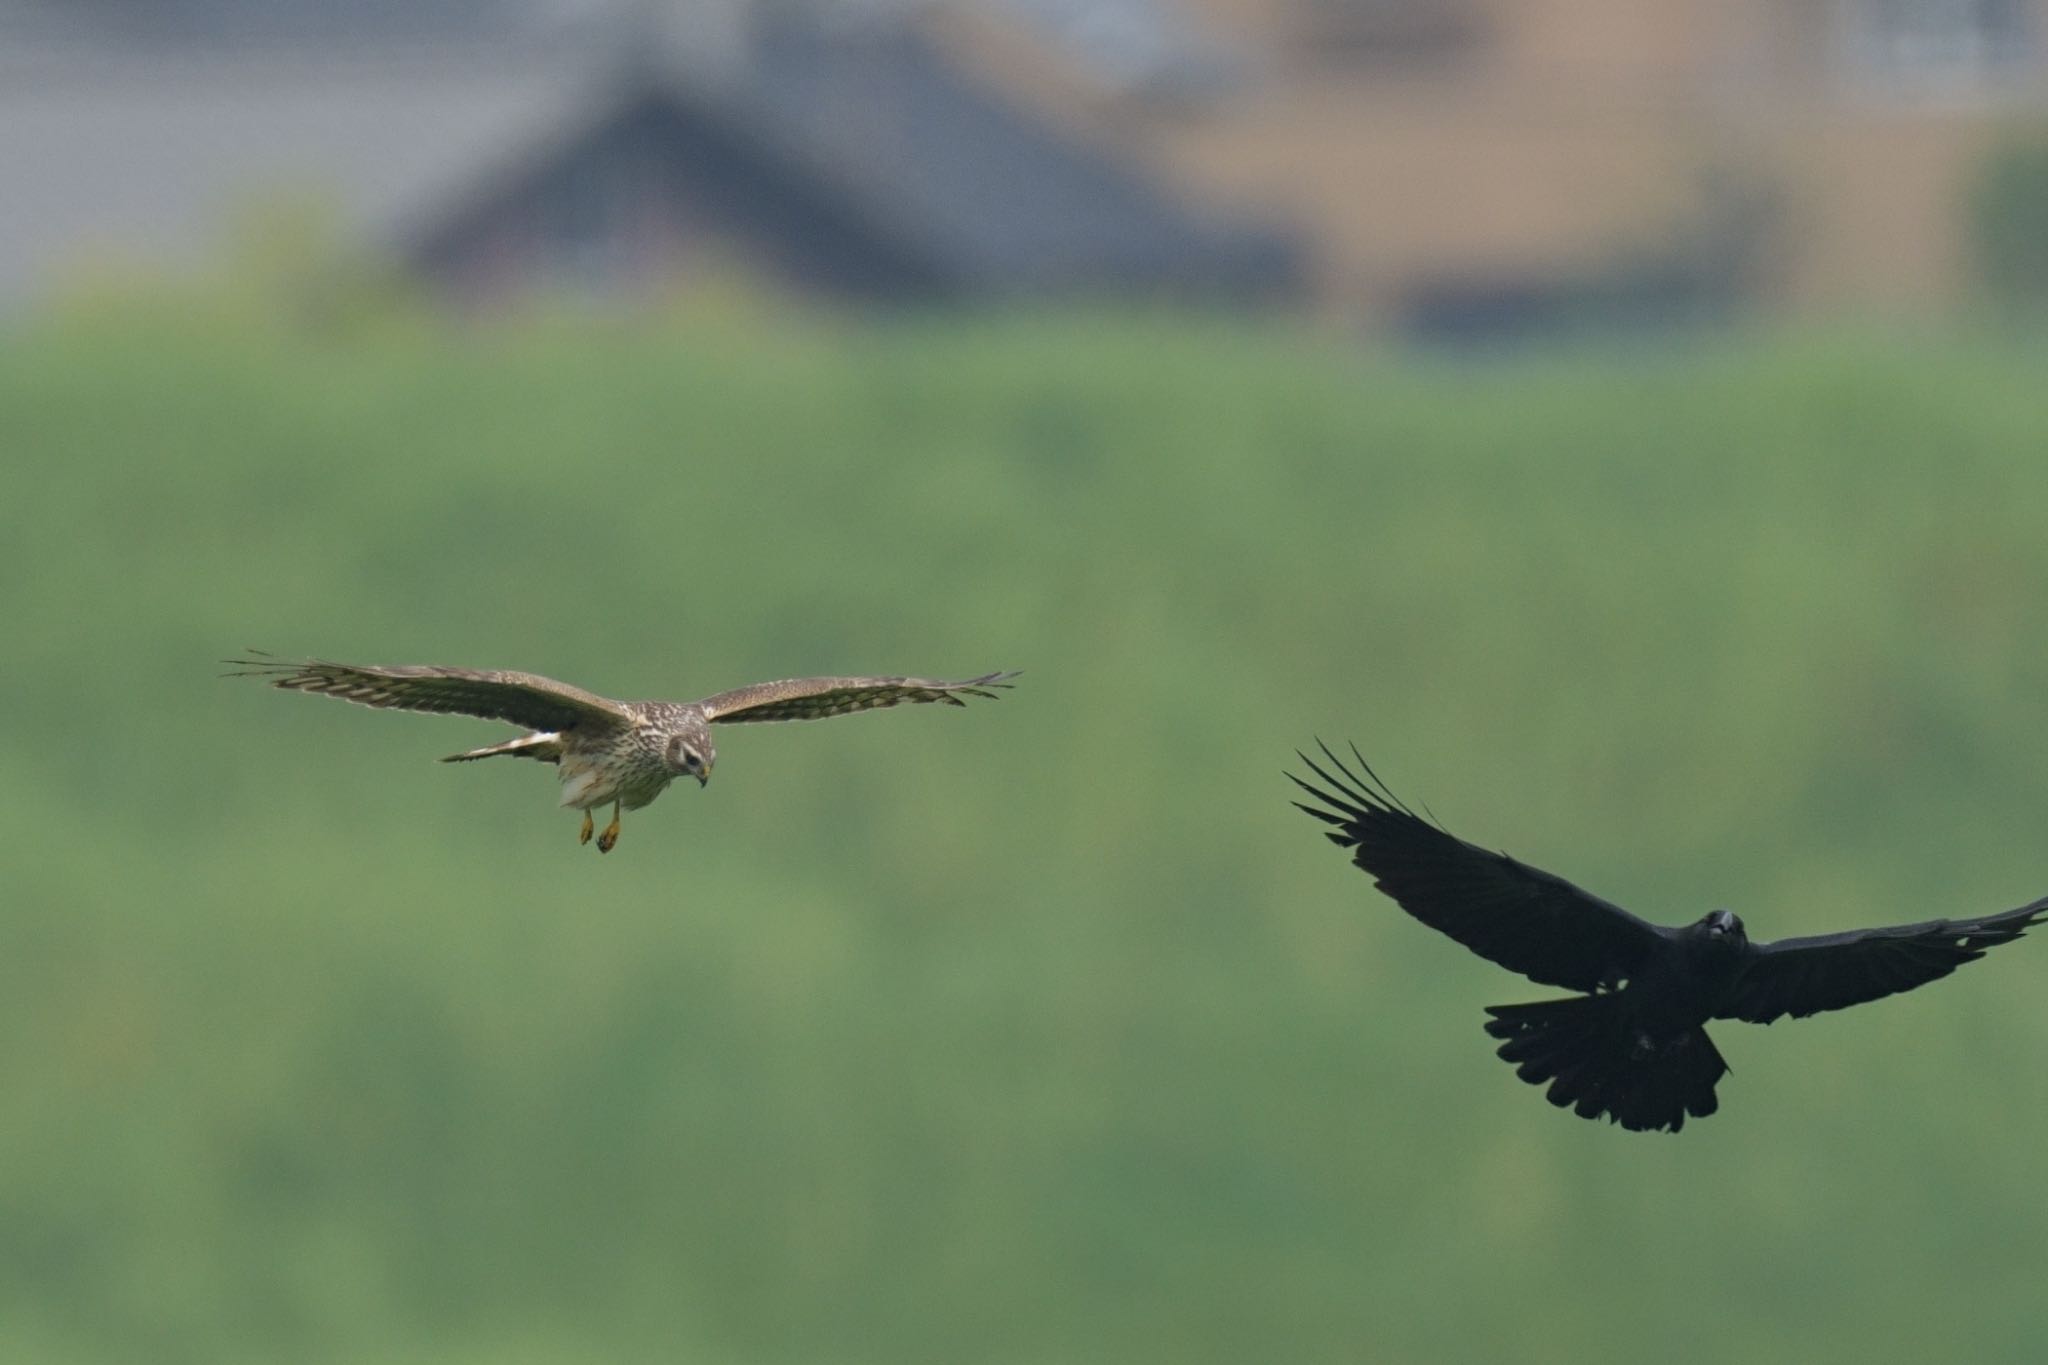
[
  {"x": 611, "y": 832},
  {"x": 588, "y": 825}
]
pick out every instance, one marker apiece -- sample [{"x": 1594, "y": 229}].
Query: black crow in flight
[{"x": 1632, "y": 1046}]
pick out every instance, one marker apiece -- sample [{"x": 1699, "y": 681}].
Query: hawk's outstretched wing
[
  {"x": 1802, "y": 976},
  {"x": 816, "y": 698},
  {"x": 522, "y": 698},
  {"x": 1521, "y": 917}
]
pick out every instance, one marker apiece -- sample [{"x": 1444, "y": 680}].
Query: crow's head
[{"x": 1722, "y": 926}]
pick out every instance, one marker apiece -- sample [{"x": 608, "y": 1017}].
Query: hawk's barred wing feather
[
  {"x": 1802, "y": 976},
  {"x": 521, "y": 698},
  {"x": 816, "y": 698},
  {"x": 1519, "y": 916}
]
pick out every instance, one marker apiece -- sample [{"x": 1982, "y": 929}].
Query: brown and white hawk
[{"x": 624, "y": 752}]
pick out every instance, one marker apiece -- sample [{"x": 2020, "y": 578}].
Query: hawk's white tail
[{"x": 545, "y": 746}]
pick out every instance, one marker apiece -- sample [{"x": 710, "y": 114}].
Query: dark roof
[
  {"x": 993, "y": 197},
  {"x": 145, "y": 153},
  {"x": 875, "y": 137}
]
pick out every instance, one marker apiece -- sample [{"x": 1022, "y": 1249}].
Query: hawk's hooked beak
[{"x": 703, "y": 779}]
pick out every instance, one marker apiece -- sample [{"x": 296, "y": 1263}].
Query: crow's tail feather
[{"x": 1597, "y": 1064}]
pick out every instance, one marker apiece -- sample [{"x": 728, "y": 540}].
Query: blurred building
[
  {"x": 1480, "y": 164},
  {"x": 609, "y": 150},
  {"x": 1446, "y": 167}
]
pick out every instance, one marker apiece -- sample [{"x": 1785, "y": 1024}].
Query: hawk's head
[{"x": 691, "y": 753}]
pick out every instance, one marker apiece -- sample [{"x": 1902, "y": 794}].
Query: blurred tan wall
[{"x": 1418, "y": 143}]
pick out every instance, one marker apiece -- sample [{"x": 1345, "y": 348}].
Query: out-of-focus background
[{"x": 1624, "y": 421}]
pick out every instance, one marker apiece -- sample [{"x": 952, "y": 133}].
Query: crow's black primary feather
[
  {"x": 1802, "y": 976},
  {"x": 1519, "y": 916}
]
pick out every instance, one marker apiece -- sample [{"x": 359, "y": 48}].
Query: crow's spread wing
[
  {"x": 1802, "y": 976},
  {"x": 1507, "y": 912},
  {"x": 816, "y": 698},
  {"x": 522, "y": 698}
]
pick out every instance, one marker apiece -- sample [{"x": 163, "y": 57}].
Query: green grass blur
[{"x": 1043, "y": 1031}]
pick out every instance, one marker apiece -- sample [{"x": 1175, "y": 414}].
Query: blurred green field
[{"x": 1033, "y": 1033}]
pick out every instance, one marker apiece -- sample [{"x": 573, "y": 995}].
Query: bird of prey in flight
[
  {"x": 621, "y": 752},
  {"x": 1631, "y": 1046}
]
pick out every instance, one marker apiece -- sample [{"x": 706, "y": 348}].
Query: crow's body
[{"x": 1632, "y": 1046}]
